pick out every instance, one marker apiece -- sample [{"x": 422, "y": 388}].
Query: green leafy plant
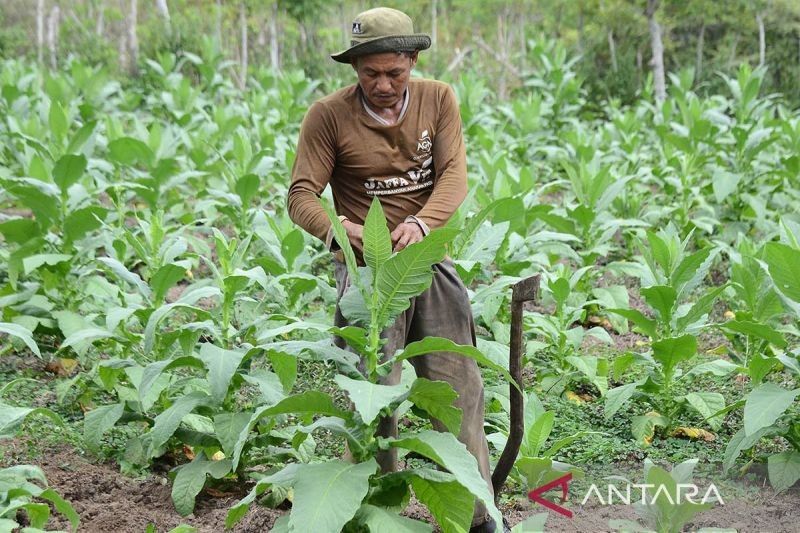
[
  {"x": 23, "y": 489},
  {"x": 671, "y": 274},
  {"x": 336, "y": 494},
  {"x": 664, "y": 507}
]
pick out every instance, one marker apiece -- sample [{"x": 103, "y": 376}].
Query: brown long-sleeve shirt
[{"x": 416, "y": 166}]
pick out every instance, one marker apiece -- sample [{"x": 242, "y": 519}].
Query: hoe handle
[{"x": 525, "y": 290}]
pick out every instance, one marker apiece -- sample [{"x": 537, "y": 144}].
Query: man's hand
[
  {"x": 405, "y": 234},
  {"x": 355, "y": 232}
]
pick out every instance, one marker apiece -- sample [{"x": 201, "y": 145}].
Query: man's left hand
[{"x": 405, "y": 234}]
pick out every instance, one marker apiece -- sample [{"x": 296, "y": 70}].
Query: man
[{"x": 398, "y": 139}]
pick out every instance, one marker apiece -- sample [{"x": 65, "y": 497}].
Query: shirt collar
[{"x": 379, "y": 118}]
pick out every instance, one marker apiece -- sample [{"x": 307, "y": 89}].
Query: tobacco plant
[{"x": 337, "y": 494}]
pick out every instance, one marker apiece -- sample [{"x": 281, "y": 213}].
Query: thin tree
[
  {"x": 274, "y": 50},
  {"x": 613, "y": 50},
  {"x": 698, "y": 60},
  {"x": 762, "y": 42},
  {"x": 243, "y": 24},
  {"x": 163, "y": 11},
  {"x": 52, "y": 34},
  {"x": 40, "y": 31},
  {"x": 658, "y": 50},
  {"x": 131, "y": 38}
]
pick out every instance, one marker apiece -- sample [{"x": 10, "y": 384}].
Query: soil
[
  {"x": 107, "y": 501},
  {"x": 770, "y": 514}
]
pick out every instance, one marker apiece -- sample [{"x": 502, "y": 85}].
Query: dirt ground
[{"x": 107, "y": 501}]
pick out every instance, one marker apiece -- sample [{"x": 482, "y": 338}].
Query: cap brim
[{"x": 390, "y": 43}]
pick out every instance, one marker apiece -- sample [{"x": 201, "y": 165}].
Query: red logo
[{"x": 536, "y": 494}]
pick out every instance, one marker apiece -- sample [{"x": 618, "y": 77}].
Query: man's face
[{"x": 384, "y": 77}]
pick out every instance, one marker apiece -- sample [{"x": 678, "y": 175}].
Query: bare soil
[{"x": 107, "y": 501}]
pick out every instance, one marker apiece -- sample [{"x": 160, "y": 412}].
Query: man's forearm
[{"x": 306, "y": 211}]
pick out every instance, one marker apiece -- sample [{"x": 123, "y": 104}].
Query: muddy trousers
[{"x": 441, "y": 311}]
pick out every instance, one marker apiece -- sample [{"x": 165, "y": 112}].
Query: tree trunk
[
  {"x": 218, "y": 25},
  {"x": 658, "y": 51},
  {"x": 613, "y": 49},
  {"x": 132, "y": 40},
  {"x": 762, "y": 42},
  {"x": 100, "y": 22},
  {"x": 243, "y": 26},
  {"x": 639, "y": 67},
  {"x": 732, "y": 57},
  {"x": 52, "y": 34},
  {"x": 163, "y": 12},
  {"x": 40, "y": 31},
  {"x": 434, "y": 25},
  {"x": 580, "y": 29},
  {"x": 698, "y": 60},
  {"x": 502, "y": 85},
  {"x": 274, "y": 50}
]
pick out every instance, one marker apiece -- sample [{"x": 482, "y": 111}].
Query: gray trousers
[{"x": 443, "y": 310}]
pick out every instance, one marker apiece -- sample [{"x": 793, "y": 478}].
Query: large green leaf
[
  {"x": 661, "y": 298},
  {"x": 318, "y": 351},
  {"x": 12, "y": 417},
  {"x": 707, "y": 403},
  {"x": 670, "y": 513},
  {"x": 449, "y": 502},
  {"x": 784, "y": 267},
  {"x": 228, "y": 427},
  {"x": 447, "y": 451},
  {"x": 151, "y": 372},
  {"x": 378, "y": 520},
  {"x": 15, "y": 330},
  {"x": 81, "y": 221},
  {"x": 309, "y": 402},
  {"x": 57, "y": 120},
  {"x": 645, "y": 325},
  {"x": 670, "y": 351},
  {"x": 62, "y": 506},
  {"x": 436, "y": 398},
  {"x": 701, "y": 308},
  {"x": 739, "y": 442},
  {"x": 129, "y": 151},
  {"x": 537, "y": 434},
  {"x": 87, "y": 335},
  {"x": 439, "y": 344},
  {"x": 616, "y": 398},
  {"x": 643, "y": 427},
  {"x": 190, "y": 479},
  {"x": 328, "y": 495},
  {"x": 691, "y": 270},
  {"x": 784, "y": 469},
  {"x": 68, "y": 170},
  {"x": 222, "y": 365},
  {"x": 408, "y": 273},
  {"x": 162, "y": 312},
  {"x": 756, "y": 329},
  {"x": 370, "y": 398},
  {"x": 99, "y": 420},
  {"x": 340, "y": 235},
  {"x": 532, "y": 524},
  {"x": 765, "y": 404},
  {"x": 377, "y": 239},
  {"x": 164, "y": 278},
  {"x": 168, "y": 421}
]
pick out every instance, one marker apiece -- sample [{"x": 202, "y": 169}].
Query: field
[{"x": 167, "y": 359}]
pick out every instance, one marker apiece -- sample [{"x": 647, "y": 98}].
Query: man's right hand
[{"x": 355, "y": 232}]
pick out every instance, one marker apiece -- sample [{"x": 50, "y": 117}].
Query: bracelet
[{"x": 342, "y": 218}]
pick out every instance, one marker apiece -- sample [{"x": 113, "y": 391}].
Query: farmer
[{"x": 399, "y": 139}]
